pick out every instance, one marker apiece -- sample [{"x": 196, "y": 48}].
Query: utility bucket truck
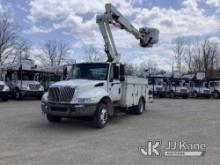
[{"x": 99, "y": 90}]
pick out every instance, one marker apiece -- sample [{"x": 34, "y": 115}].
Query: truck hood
[
  {"x": 2, "y": 83},
  {"x": 77, "y": 83},
  {"x": 26, "y": 82}
]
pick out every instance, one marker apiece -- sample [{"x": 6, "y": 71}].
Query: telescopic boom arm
[{"x": 147, "y": 36}]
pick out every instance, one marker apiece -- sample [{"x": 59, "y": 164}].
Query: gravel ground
[{"x": 26, "y": 138}]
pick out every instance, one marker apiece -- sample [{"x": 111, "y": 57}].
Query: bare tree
[
  {"x": 179, "y": 50},
  {"x": 8, "y": 39},
  {"x": 188, "y": 57},
  {"x": 209, "y": 51},
  {"x": 62, "y": 50},
  {"x": 130, "y": 69},
  {"x": 55, "y": 52},
  {"x": 92, "y": 54},
  {"x": 22, "y": 50},
  {"x": 202, "y": 56}
]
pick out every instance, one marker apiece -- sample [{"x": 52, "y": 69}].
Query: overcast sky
[{"x": 73, "y": 21}]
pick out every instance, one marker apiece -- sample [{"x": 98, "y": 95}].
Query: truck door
[{"x": 114, "y": 85}]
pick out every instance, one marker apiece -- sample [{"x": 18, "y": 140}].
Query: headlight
[
  {"x": 44, "y": 97},
  {"x": 25, "y": 88},
  {"x": 6, "y": 88},
  {"x": 85, "y": 100},
  {"x": 41, "y": 88}
]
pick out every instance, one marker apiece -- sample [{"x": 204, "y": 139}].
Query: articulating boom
[{"x": 147, "y": 36}]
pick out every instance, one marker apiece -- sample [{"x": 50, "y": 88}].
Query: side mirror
[
  {"x": 111, "y": 80},
  {"x": 122, "y": 73},
  {"x": 65, "y": 73},
  {"x": 122, "y": 78}
]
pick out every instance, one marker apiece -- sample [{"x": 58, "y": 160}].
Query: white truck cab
[
  {"x": 97, "y": 90},
  {"x": 178, "y": 88},
  {"x": 214, "y": 86},
  {"x": 200, "y": 89},
  {"x": 157, "y": 90},
  {"x": 24, "y": 84}
]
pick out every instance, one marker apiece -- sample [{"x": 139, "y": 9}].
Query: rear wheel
[
  {"x": 53, "y": 119},
  {"x": 101, "y": 116},
  {"x": 140, "y": 108}
]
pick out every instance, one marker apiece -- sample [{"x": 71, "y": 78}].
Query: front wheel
[
  {"x": 140, "y": 108},
  {"x": 17, "y": 94},
  {"x": 38, "y": 97},
  {"x": 5, "y": 98},
  {"x": 172, "y": 94},
  {"x": 215, "y": 94},
  {"x": 53, "y": 119},
  {"x": 195, "y": 94},
  {"x": 101, "y": 116}
]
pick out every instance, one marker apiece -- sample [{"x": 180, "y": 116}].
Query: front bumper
[
  {"x": 31, "y": 93},
  {"x": 159, "y": 93},
  {"x": 4, "y": 94},
  {"x": 182, "y": 94},
  {"x": 205, "y": 94},
  {"x": 68, "y": 110}
]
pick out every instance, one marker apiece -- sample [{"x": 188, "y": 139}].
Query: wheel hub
[{"x": 104, "y": 116}]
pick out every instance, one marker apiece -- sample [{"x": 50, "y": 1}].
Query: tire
[
  {"x": 38, "y": 97},
  {"x": 194, "y": 94},
  {"x": 172, "y": 94},
  {"x": 140, "y": 108},
  {"x": 4, "y": 98},
  {"x": 215, "y": 94},
  {"x": 185, "y": 97},
  {"x": 53, "y": 119},
  {"x": 100, "y": 118},
  {"x": 161, "y": 96},
  {"x": 17, "y": 94}
]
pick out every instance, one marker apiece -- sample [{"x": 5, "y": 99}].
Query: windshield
[
  {"x": 28, "y": 76},
  {"x": 94, "y": 71}
]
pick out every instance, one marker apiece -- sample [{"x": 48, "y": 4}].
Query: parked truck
[
  {"x": 23, "y": 80},
  {"x": 214, "y": 86},
  {"x": 100, "y": 90},
  {"x": 157, "y": 86},
  {"x": 199, "y": 88},
  {"x": 178, "y": 88}
]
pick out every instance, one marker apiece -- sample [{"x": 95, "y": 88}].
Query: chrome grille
[
  {"x": 1, "y": 87},
  {"x": 159, "y": 89},
  {"x": 183, "y": 90},
  {"x": 54, "y": 94},
  {"x": 206, "y": 91},
  {"x": 64, "y": 94},
  {"x": 34, "y": 86}
]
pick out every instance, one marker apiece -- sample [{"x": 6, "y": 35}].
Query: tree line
[
  {"x": 14, "y": 48},
  {"x": 192, "y": 56}
]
